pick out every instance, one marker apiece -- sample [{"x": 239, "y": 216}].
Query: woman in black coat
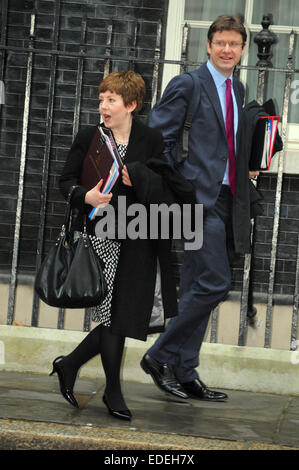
[{"x": 135, "y": 269}]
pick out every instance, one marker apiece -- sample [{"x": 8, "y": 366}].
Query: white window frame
[{"x": 174, "y": 32}]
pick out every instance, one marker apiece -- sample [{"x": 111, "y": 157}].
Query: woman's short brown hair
[
  {"x": 129, "y": 85},
  {"x": 228, "y": 23}
]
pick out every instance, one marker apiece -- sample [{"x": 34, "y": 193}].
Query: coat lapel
[
  {"x": 135, "y": 142},
  {"x": 211, "y": 90},
  {"x": 239, "y": 101},
  {"x": 209, "y": 85}
]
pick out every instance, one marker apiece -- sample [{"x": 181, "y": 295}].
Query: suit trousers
[{"x": 205, "y": 280}]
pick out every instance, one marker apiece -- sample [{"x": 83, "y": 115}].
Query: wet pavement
[{"x": 34, "y": 415}]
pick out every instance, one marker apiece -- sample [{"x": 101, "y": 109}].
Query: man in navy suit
[{"x": 221, "y": 182}]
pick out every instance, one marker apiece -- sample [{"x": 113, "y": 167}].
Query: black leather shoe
[
  {"x": 120, "y": 414},
  {"x": 197, "y": 389},
  {"x": 163, "y": 376},
  {"x": 66, "y": 392}
]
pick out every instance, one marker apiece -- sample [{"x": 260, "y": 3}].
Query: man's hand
[
  {"x": 95, "y": 198},
  {"x": 253, "y": 174}
]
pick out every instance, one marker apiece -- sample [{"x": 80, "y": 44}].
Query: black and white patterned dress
[{"x": 108, "y": 251}]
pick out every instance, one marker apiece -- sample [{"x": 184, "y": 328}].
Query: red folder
[
  {"x": 102, "y": 161},
  {"x": 263, "y": 143},
  {"x": 97, "y": 162}
]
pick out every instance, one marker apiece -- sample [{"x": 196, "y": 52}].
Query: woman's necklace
[
  {"x": 121, "y": 142},
  {"x": 124, "y": 135}
]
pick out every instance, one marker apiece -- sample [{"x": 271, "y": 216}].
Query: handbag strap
[{"x": 68, "y": 213}]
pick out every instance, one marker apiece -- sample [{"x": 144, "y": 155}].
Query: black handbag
[{"x": 71, "y": 275}]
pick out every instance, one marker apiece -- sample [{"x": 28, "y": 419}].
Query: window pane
[
  {"x": 274, "y": 87},
  {"x": 197, "y": 49},
  {"x": 283, "y": 12},
  {"x": 208, "y": 10}
]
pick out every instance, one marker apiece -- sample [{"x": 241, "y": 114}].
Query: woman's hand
[
  {"x": 95, "y": 198},
  {"x": 126, "y": 177},
  {"x": 253, "y": 174}
]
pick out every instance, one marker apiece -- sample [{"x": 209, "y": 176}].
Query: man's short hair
[{"x": 227, "y": 23}]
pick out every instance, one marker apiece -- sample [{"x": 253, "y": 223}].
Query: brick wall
[
  {"x": 285, "y": 269},
  {"x": 99, "y": 14}
]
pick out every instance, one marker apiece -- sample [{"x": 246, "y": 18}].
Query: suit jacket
[
  {"x": 152, "y": 178},
  {"x": 208, "y": 149}
]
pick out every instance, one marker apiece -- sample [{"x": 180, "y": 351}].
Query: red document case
[
  {"x": 97, "y": 163},
  {"x": 102, "y": 161},
  {"x": 263, "y": 143}
]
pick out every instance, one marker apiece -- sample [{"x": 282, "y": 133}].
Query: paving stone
[{"x": 34, "y": 415}]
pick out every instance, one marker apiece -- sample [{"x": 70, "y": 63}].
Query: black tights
[{"x": 99, "y": 341}]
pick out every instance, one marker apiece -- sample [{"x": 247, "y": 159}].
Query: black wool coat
[
  {"x": 247, "y": 200},
  {"x": 153, "y": 182}
]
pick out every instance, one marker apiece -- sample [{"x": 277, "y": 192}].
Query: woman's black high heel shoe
[
  {"x": 67, "y": 393},
  {"x": 123, "y": 414}
]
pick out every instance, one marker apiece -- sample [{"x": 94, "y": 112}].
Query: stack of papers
[
  {"x": 263, "y": 142},
  {"x": 270, "y": 134},
  {"x": 116, "y": 166}
]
